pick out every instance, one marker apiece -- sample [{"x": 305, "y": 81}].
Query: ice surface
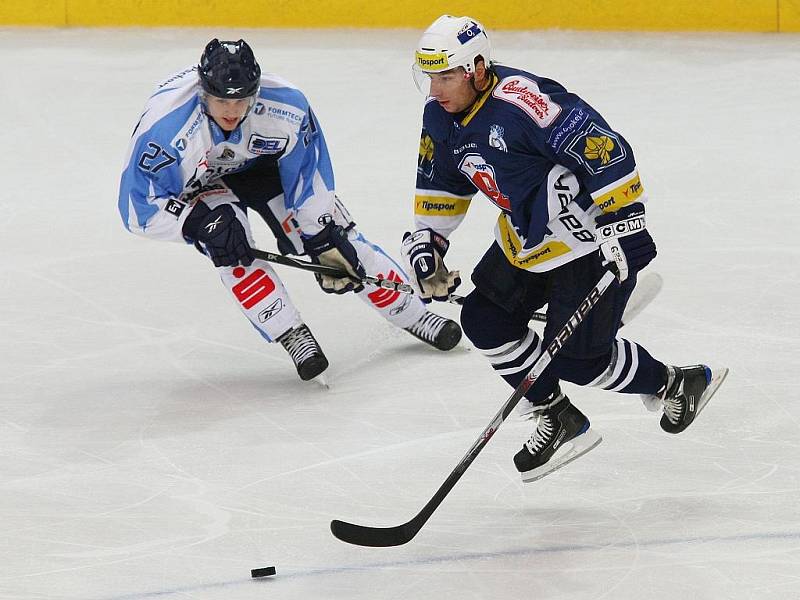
[{"x": 152, "y": 446}]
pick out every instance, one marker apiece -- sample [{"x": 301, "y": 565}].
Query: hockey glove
[
  {"x": 331, "y": 247},
  {"x": 424, "y": 252},
  {"x": 625, "y": 243},
  {"x": 221, "y": 233}
]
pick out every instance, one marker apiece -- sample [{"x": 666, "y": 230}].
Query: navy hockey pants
[{"x": 496, "y": 315}]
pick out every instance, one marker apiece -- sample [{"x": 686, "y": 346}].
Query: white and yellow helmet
[{"x": 451, "y": 42}]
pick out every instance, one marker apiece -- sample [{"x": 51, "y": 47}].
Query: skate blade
[
  {"x": 320, "y": 379},
  {"x": 569, "y": 451},
  {"x": 718, "y": 375}
]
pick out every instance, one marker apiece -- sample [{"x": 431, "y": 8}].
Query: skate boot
[
  {"x": 437, "y": 331},
  {"x": 562, "y": 434},
  {"x": 687, "y": 391},
  {"x": 305, "y": 352}
]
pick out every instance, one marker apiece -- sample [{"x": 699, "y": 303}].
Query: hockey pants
[{"x": 496, "y": 315}]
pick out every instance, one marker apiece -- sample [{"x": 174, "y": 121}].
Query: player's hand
[
  {"x": 332, "y": 248},
  {"x": 625, "y": 243},
  {"x": 221, "y": 233},
  {"x": 424, "y": 252}
]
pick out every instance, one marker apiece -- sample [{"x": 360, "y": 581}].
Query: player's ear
[{"x": 481, "y": 72}]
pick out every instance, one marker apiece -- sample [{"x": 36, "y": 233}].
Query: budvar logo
[
  {"x": 525, "y": 93},
  {"x": 383, "y": 297},
  {"x": 252, "y": 289}
]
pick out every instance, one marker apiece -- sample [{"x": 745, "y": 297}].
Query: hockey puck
[{"x": 265, "y": 572}]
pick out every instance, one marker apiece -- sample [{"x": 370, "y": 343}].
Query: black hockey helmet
[{"x": 229, "y": 70}]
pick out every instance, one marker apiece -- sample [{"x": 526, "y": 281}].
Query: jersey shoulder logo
[
  {"x": 525, "y": 94},
  {"x": 597, "y": 149}
]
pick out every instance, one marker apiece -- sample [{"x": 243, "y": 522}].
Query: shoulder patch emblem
[
  {"x": 597, "y": 149},
  {"x": 525, "y": 94}
]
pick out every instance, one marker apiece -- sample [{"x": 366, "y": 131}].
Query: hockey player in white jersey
[{"x": 220, "y": 139}]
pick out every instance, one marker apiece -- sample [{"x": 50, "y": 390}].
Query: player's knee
[
  {"x": 486, "y": 324},
  {"x": 471, "y": 320}
]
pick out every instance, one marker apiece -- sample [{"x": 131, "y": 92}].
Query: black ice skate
[
  {"x": 437, "y": 331},
  {"x": 305, "y": 352},
  {"x": 687, "y": 391},
  {"x": 562, "y": 434}
]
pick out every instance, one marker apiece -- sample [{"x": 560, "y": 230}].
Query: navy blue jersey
[{"x": 542, "y": 155}]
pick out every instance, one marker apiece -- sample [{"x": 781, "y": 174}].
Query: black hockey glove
[
  {"x": 331, "y": 247},
  {"x": 424, "y": 252},
  {"x": 625, "y": 243},
  {"x": 221, "y": 233}
]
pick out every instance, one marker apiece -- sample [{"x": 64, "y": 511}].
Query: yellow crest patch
[
  {"x": 599, "y": 148},
  {"x": 426, "y": 148}
]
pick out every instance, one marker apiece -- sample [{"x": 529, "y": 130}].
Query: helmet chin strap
[{"x": 478, "y": 92}]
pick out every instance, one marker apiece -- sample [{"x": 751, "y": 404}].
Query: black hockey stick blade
[{"x": 375, "y": 537}]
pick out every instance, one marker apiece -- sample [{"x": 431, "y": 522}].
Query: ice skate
[
  {"x": 437, "y": 331},
  {"x": 306, "y": 353},
  {"x": 562, "y": 434},
  {"x": 687, "y": 391}
]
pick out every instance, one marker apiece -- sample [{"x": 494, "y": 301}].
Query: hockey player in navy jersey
[
  {"x": 220, "y": 139},
  {"x": 571, "y": 205}
]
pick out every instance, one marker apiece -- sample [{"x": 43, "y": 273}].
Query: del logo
[
  {"x": 524, "y": 93},
  {"x": 266, "y": 145},
  {"x": 482, "y": 176}
]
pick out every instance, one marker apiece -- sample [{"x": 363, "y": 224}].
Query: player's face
[
  {"x": 453, "y": 90},
  {"x": 227, "y": 112}
]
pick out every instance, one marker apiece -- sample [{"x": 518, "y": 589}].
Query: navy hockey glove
[
  {"x": 424, "y": 252},
  {"x": 625, "y": 243},
  {"x": 331, "y": 247},
  {"x": 221, "y": 233}
]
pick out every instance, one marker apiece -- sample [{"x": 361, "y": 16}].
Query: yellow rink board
[{"x": 622, "y": 15}]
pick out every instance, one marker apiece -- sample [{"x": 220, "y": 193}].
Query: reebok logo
[
  {"x": 213, "y": 225},
  {"x": 691, "y": 403},
  {"x": 233, "y": 91},
  {"x": 272, "y": 310},
  {"x": 559, "y": 439}
]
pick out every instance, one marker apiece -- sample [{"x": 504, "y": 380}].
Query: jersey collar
[{"x": 480, "y": 101}]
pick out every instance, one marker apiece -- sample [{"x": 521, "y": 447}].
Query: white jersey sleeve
[
  {"x": 305, "y": 167},
  {"x": 160, "y": 160}
]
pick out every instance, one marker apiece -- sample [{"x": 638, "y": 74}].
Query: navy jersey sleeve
[{"x": 443, "y": 194}]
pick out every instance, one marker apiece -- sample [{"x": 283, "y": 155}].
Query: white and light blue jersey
[{"x": 176, "y": 151}]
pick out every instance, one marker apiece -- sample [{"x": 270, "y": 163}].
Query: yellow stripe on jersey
[
  {"x": 512, "y": 246},
  {"x": 620, "y": 193},
  {"x": 440, "y": 206},
  {"x": 480, "y": 101}
]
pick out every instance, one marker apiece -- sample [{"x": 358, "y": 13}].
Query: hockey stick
[
  {"x": 646, "y": 289},
  {"x": 401, "y": 534},
  {"x": 305, "y": 265}
]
